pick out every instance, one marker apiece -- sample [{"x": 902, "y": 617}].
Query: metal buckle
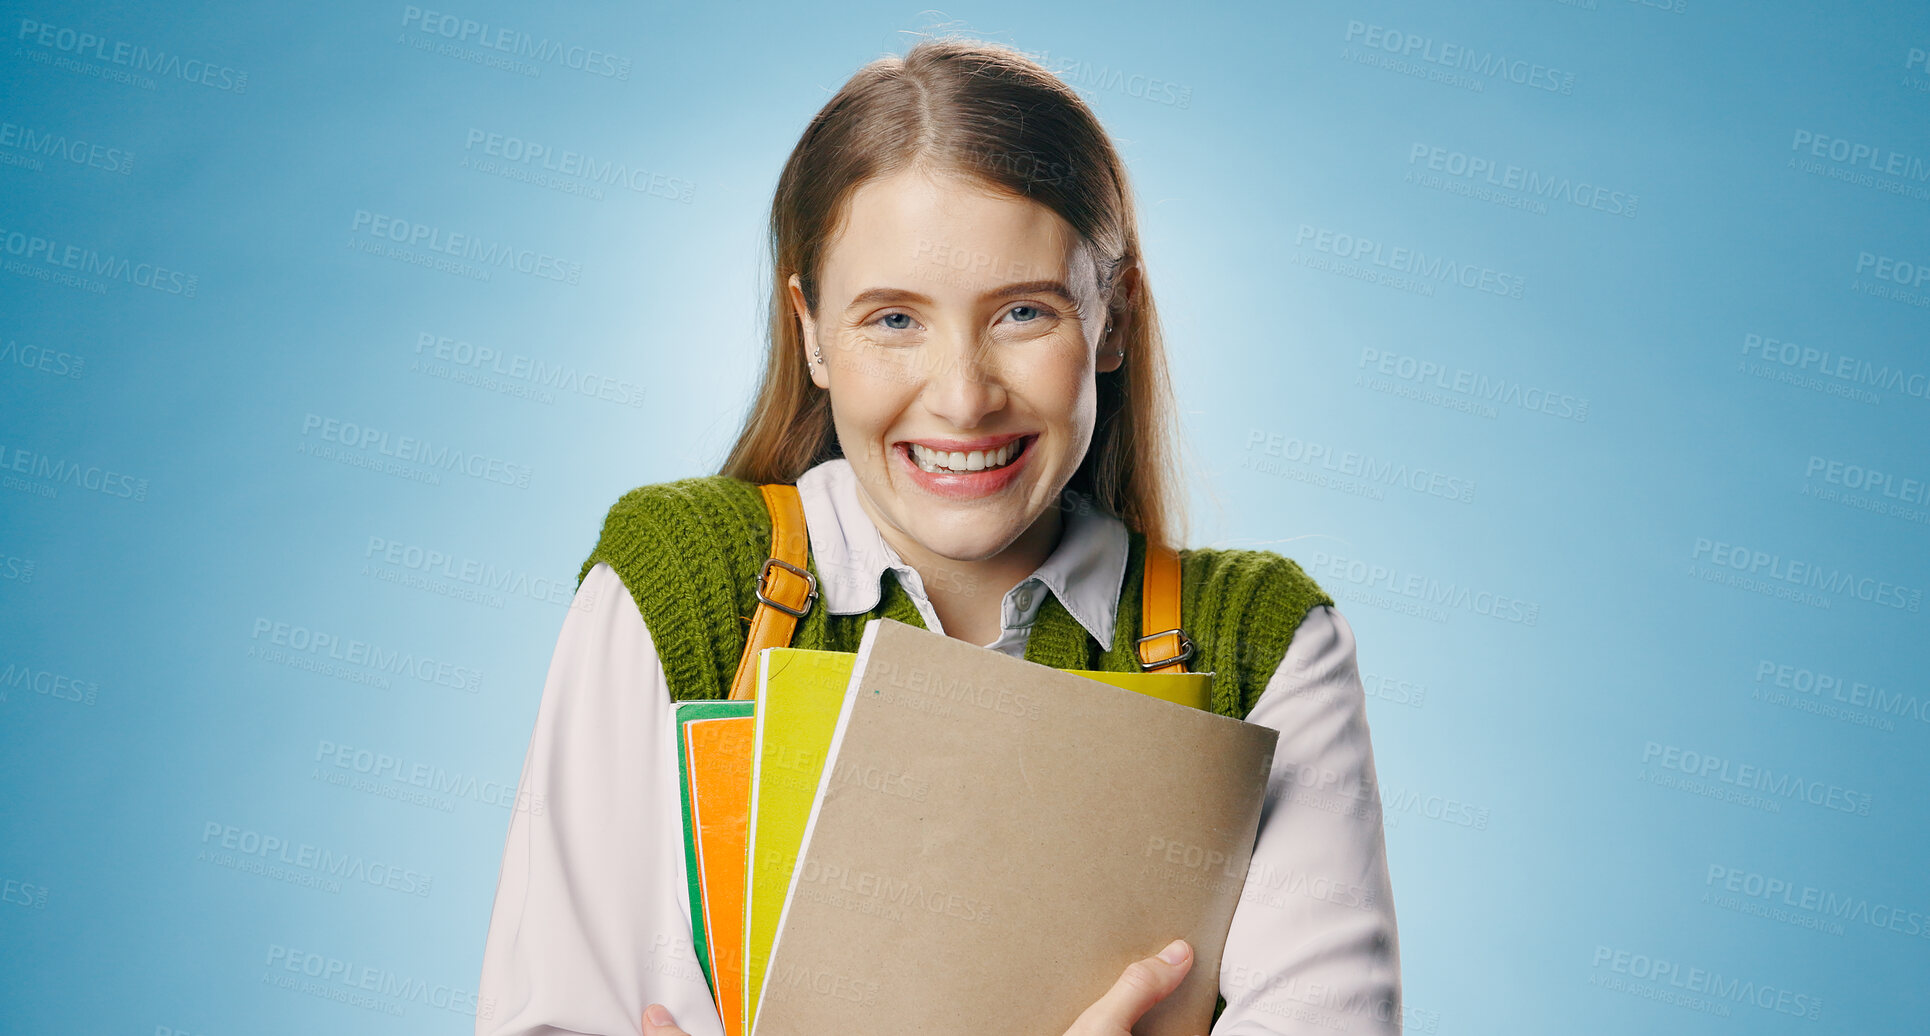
[
  {"x": 810, "y": 581},
  {"x": 1186, "y": 649}
]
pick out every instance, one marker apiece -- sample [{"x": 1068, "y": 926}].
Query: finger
[
  {"x": 1144, "y": 983},
  {"x": 657, "y": 1022}
]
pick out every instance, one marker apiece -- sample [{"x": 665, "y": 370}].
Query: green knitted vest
[{"x": 689, "y": 552}]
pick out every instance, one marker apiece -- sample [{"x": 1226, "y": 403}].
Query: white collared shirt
[
  {"x": 592, "y": 913},
  {"x": 1084, "y": 571}
]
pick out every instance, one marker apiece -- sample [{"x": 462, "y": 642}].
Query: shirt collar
[{"x": 1085, "y": 571}]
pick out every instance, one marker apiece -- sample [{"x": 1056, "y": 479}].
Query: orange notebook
[{"x": 719, "y": 758}]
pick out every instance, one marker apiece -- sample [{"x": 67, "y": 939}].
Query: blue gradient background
[{"x": 1533, "y": 833}]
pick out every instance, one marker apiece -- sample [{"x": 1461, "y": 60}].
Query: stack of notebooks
[{"x": 933, "y": 837}]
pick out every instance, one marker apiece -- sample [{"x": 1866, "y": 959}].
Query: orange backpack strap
[
  {"x": 785, "y": 589},
  {"x": 1163, "y": 648}
]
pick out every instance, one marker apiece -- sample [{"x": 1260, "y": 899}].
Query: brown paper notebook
[{"x": 995, "y": 840}]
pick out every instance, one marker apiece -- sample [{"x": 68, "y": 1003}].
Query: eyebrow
[{"x": 874, "y": 295}]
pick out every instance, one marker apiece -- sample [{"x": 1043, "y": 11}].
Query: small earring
[{"x": 818, "y": 352}]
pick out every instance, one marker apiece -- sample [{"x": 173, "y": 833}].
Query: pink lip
[{"x": 965, "y": 485}]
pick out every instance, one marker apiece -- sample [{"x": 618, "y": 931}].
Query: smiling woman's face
[{"x": 961, "y": 335}]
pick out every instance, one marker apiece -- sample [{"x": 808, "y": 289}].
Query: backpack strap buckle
[
  {"x": 779, "y": 605},
  {"x": 1159, "y": 610},
  {"x": 810, "y": 586},
  {"x": 1182, "y": 644}
]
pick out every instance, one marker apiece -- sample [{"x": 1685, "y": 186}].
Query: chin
[{"x": 963, "y": 546}]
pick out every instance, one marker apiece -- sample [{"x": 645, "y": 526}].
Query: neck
[{"x": 968, "y": 595}]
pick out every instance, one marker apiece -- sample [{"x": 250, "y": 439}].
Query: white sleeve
[
  {"x": 1312, "y": 947},
  {"x": 592, "y": 916}
]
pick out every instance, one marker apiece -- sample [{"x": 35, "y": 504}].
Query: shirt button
[{"x": 1023, "y": 600}]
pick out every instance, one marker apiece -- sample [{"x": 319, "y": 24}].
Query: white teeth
[{"x": 951, "y": 461}]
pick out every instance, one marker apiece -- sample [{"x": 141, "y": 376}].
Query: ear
[
  {"x": 819, "y": 375},
  {"x": 1110, "y": 358},
  {"x": 1119, "y": 313}
]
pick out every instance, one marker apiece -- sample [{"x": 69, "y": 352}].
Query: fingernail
[
  {"x": 1174, "y": 952},
  {"x": 657, "y": 1015}
]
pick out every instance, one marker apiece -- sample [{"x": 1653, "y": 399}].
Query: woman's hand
[
  {"x": 1143, "y": 984},
  {"x": 657, "y": 1022}
]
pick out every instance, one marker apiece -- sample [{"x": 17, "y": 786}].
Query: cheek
[
  {"x": 1063, "y": 395},
  {"x": 863, "y": 409}
]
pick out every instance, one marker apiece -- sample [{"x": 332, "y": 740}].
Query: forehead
[{"x": 943, "y": 230}]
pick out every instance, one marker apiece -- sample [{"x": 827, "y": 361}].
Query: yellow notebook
[
  {"x": 800, "y": 693},
  {"x": 1194, "y": 690}
]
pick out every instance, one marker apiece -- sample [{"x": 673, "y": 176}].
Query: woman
[{"x": 966, "y": 384}]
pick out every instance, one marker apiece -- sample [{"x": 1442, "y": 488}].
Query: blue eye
[
  {"x": 897, "y": 327},
  {"x": 1015, "y": 310}
]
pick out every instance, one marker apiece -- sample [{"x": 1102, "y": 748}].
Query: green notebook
[{"x": 685, "y": 711}]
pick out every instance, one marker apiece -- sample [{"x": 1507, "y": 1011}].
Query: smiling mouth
[{"x": 942, "y": 462}]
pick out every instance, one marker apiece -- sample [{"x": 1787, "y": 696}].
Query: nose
[{"x": 963, "y": 383}]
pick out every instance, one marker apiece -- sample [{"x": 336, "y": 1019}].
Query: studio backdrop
[{"x": 1577, "y": 347}]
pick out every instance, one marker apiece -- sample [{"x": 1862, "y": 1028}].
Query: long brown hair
[{"x": 988, "y": 112}]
